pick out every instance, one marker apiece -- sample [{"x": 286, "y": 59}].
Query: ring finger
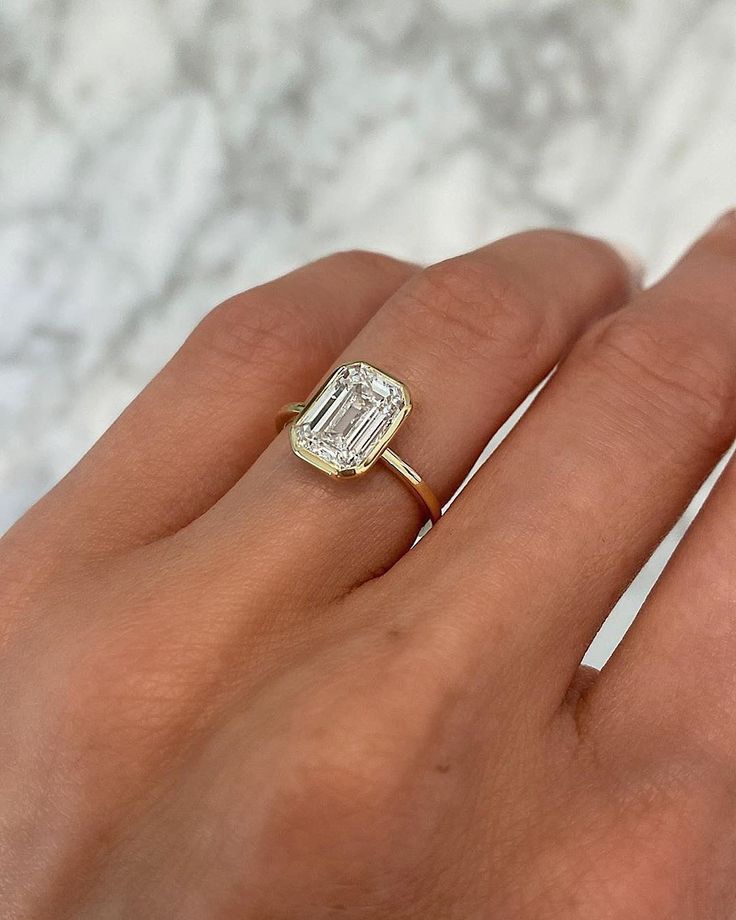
[{"x": 471, "y": 337}]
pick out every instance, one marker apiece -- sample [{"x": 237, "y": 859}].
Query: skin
[{"x": 230, "y": 690}]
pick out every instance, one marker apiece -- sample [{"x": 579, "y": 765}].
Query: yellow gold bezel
[{"x": 381, "y": 444}]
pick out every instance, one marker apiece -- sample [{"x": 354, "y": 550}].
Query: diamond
[{"x": 346, "y": 426}]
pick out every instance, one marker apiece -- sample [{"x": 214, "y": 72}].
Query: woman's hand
[{"x": 229, "y": 690}]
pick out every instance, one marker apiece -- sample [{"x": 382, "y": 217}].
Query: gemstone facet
[{"x": 346, "y": 426}]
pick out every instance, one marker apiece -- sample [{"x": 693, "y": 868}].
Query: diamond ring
[{"x": 347, "y": 426}]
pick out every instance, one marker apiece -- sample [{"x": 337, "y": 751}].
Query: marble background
[{"x": 159, "y": 155}]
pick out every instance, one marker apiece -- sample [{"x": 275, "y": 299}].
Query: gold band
[
  {"x": 410, "y": 477},
  {"x": 402, "y": 470}
]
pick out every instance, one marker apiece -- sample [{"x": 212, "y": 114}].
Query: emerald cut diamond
[{"x": 346, "y": 426}]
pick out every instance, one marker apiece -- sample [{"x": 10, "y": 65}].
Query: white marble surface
[{"x": 158, "y": 156}]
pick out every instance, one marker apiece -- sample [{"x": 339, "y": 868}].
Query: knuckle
[
  {"x": 360, "y": 262},
  {"x": 346, "y": 768},
  {"x": 335, "y": 814},
  {"x": 474, "y": 307},
  {"x": 687, "y": 795},
  {"x": 127, "y": 697},
  {"x": 257, "y": 327},
  {"x": 362, "y": 771},
  {"x": 685, "y": 375},
  {"x": 607, "y": 259},
  {"x": 337, "y": 781}
]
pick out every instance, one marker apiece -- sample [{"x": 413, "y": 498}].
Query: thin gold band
[{"x": 407, "y": 474}]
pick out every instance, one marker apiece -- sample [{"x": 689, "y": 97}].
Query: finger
[
  {"x": 673, "y": 679},
  {"x": 205, "y": 418},
  {"x": 571, "y": 505},
  {"x": 470, "y": 337}
]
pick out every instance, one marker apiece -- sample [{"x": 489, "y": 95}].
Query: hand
[{"x": 231, "y": 690}]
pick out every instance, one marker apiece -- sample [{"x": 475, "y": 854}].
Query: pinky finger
[{"x": 672, "y": 682}]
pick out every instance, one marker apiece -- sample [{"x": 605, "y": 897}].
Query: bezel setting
[{"x": 349, "y": 422}]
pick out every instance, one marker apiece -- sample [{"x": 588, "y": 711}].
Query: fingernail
[{"x": 633, "y": 262}]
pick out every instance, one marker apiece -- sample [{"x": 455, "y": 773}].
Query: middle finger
[{"x": 568, "y": 509}]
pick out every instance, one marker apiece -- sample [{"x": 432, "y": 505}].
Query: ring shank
[
  {"x": 407, "y": 474},
  {"x": 410, "y": 477}
]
